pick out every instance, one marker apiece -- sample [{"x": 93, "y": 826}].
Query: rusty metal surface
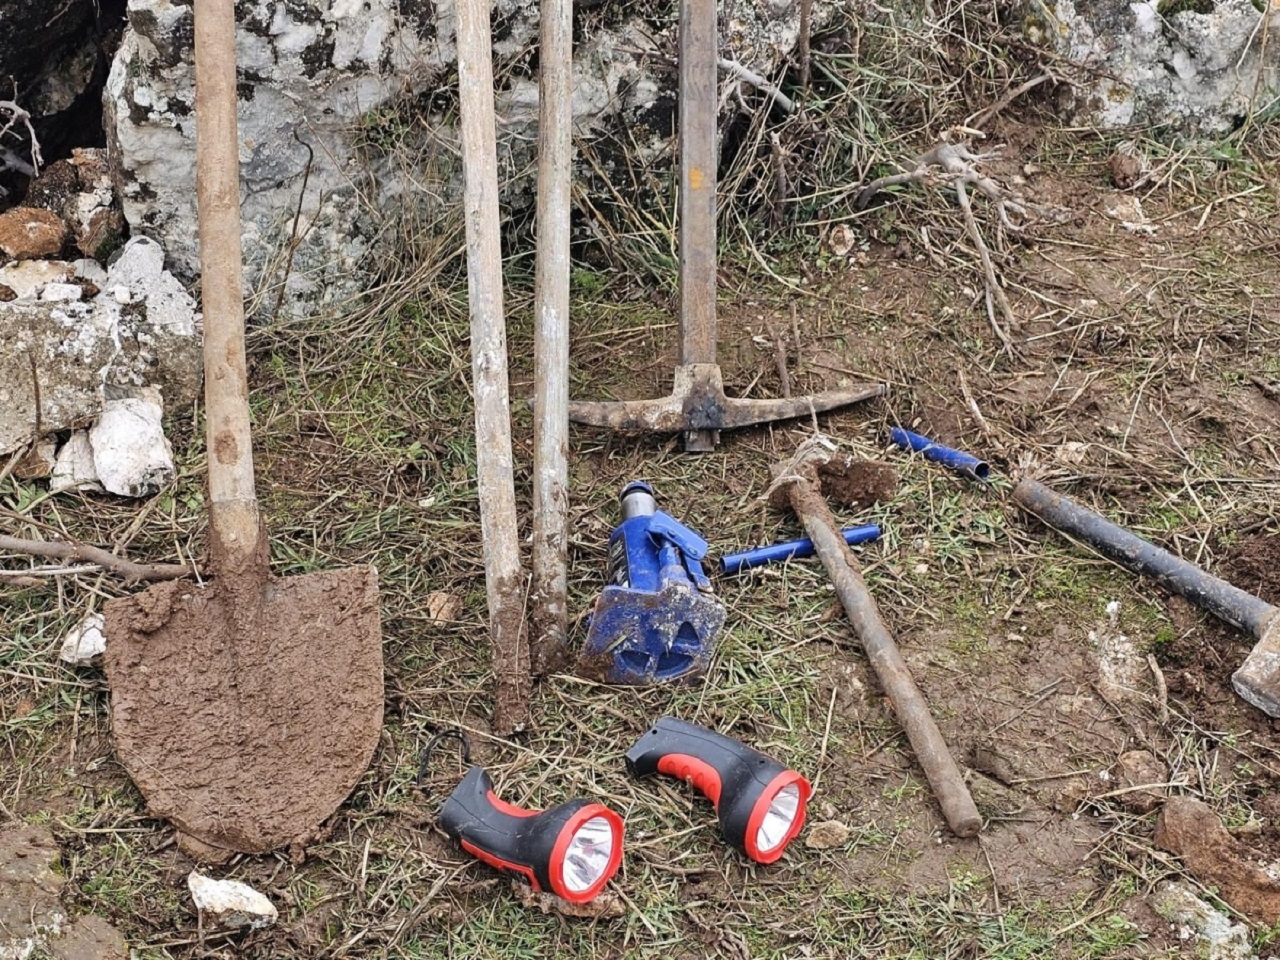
[
  {"x": 698, "y": 403},
  {"x": 1226, "y": 602},
  {"x": 909, "y": 704}
]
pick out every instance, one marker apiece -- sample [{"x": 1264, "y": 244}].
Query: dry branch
[
  {"x": 85, "y": 553},
  {"x": 8, "y": 159},
  {"x": 956, "y": 164}
]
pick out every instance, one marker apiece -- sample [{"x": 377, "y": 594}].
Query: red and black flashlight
[
  {"x": 760, "y": 802},
  {"x": 571, "y": 850}
]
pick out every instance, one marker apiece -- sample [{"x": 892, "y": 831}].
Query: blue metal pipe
[
  {"x": 956, "y": 460},
  {"x": 793, "y": 549}
]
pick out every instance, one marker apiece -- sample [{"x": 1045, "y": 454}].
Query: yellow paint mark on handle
[{"x": 695, "y": 178}]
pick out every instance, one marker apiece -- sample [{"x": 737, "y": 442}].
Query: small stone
[
  {"x": 37, "y": 463},
  {"x": 27, "y": 233},
  {"x": 841, "y": 240},
  {"x": 89, "y": 269},
  {"x": 26, "y": 278},
  {"x": 85, "y": 643},
  {"x": 73, "y": 468},
  {"x": 443, "y": 607},
  {"x": 1125, "y": 170},
  {"x": 131, "y": 454},
  {"x": 827, "y": 835},
  {"x": 61, "y": 292},
  {"x": 230, "y": 904},
  {"x": 1193, "y": 917},
  {"x": 1140, "y": 768},
  {"x": 1192, "y": 831}
]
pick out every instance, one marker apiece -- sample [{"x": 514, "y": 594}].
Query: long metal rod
[
  {"x": 908, "y": 702},
  {"x": 1235, "y": 606},
  {"x": 495, "y": 480},
  {"x": 548, "y": 605},
  {"x": 699, "y": 158}
]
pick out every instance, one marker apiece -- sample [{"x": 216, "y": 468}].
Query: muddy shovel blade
[{"x": 247, "y": 743}]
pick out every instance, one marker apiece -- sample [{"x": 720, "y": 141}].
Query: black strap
[{"x": 452, "y": 733}]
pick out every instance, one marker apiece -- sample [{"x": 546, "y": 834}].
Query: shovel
[{"x": 245, "y": 710}]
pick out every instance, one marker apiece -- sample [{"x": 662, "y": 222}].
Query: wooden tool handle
[
  {"x": 699, "y": 158},
  {"x": 908, "y": 703},
  {"x": 234, "y": 524},
  {"x": 548, "y": 603},
  {"x": 495, "y": 483}
]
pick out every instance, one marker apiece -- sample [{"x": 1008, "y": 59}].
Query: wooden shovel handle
[{"x": 234, "y": 524}]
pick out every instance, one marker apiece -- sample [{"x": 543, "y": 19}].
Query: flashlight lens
[
  {"x": 778, "y": 819},
  {"x": 589, "y": 854}
]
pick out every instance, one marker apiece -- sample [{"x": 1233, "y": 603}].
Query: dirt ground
[{"x": 1144, "y": 380}]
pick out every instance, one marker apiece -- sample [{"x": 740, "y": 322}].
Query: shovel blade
[{"x": 247, "y": 728}]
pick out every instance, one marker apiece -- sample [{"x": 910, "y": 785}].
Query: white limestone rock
[
  {"x": 131, "y": 454},
  {"x": 27, "y": 278},
  {"x": 85, "y": 643},
  {"x": 334, "y": 74},
  {"x": 1199, "y": 73},
  {"x": 1194, "y": 919},
  {"x": 60, "y": 356},
  {"x": 230, "y": 904},
  {"x": 73, "y": 468}
]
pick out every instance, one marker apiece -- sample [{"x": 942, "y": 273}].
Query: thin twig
[
  {"x": 802, "y": 42},
  {"x": 759, "y": 82},
  {"x": 294, "y": 239},
  {"x": 994, "y": 290},
  {"x": 1162, "y": 688},
  {"x": 18, "y": 115},
  {"x": 85, "y": 553},
  {"x": 780, "y": 358},
  {"x": 985, "y": 114}
]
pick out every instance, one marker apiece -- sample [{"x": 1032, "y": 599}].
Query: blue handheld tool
[
  {"x": 791, "y": 550},
  {"x": 657, "y": 620}
]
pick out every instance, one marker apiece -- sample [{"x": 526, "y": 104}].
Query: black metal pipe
[{"x": 1235, "y": 606}]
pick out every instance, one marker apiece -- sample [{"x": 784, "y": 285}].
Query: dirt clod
[
  {"x": 606, "y": 904},
  {"x": 443, "y": 607},
  {"x": 27, "y": 233},
  {"x": 33, "y": 922},
  {"x": 851, "y": 482},
  {"x": 1125, "y": 170},
  {"x": 1192, "y": 831},
  {"x": 1255, "y": 566},
  {"x": 827, "y": 835},
  {"x": 1139, "y": 768}
]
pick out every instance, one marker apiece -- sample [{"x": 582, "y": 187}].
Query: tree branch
[
  {"x": 85, "y": 553},
  {"x": 759, "y": 82}
]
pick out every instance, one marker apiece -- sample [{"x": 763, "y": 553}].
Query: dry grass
[{"x": 1134, "y": 387}]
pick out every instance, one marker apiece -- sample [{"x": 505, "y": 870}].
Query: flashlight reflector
[
  {"x": 590, "y": 851},
  {"x": 778, "y": 818}
]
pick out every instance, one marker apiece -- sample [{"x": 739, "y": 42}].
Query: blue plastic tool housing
[{"x": 657, "y": 620}]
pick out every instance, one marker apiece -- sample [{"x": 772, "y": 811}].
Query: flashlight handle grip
[
  {"x": 704, "y": 777},
  {"x": 733, "y": 776}
]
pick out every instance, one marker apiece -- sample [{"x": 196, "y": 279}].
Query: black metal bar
[{"x": 1235, "y": 606}]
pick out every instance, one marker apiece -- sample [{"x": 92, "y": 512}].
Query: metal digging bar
[{"x": 697, "y": 405}]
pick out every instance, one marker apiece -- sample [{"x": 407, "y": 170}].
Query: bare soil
[{"x": 852, "y": 482}]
